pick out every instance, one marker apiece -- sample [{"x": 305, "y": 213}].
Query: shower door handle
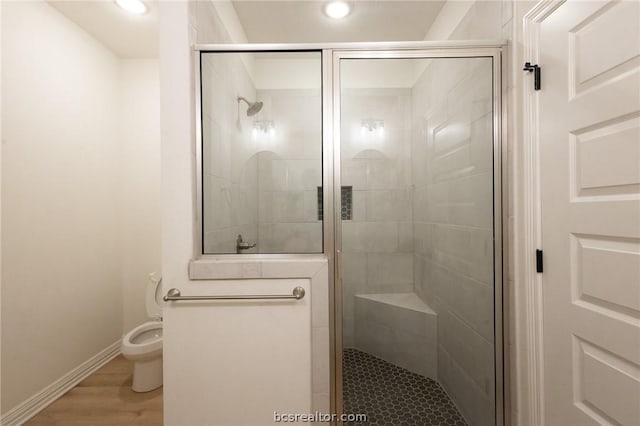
[{"x": 338, "y": 261}]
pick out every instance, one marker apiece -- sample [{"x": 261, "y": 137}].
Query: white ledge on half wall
[{"x": 255, "y": 267}]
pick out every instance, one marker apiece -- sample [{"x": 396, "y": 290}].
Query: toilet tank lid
[{"x": 154, "y": 297}]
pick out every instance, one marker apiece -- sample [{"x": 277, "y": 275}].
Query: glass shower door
[{"x": 417, "y": 229}]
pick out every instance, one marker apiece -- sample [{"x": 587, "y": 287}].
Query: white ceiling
[
  {"x": 264, "y": 21},
  {"x": 304, "y": 21},
  {"x": 126, "y": 35}
]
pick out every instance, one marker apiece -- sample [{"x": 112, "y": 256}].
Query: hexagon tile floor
[{"x": 390, "y": 395}]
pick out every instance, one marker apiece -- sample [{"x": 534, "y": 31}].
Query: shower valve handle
[{"x": 242, "y": 245}]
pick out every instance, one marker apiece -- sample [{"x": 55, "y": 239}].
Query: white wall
[
  {"x": 141, "y": 214},
  {"x": 81, "y": 196},
  {"x": 272, "y": 73},
  {"x": 448, "y": 19},
  {"x": 61, "y": 173}
]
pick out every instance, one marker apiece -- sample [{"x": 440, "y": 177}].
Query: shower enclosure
[{"x": 387, "y": 159}]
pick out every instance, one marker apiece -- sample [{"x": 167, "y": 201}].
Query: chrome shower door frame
[
  {"x": 429, "y": 50},
  {"x": 331, "y": 54}
]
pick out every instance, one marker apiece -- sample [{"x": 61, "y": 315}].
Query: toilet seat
[
  {"x": 153, "y": 299},
  {"x": 150, "y": 347}
]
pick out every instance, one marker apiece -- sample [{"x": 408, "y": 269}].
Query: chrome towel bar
[{"x": 173, "y": 295}]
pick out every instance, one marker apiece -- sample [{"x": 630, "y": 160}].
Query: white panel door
[
  {"x": 589, "y": 110},
  {"x": 237, "y": 362}
]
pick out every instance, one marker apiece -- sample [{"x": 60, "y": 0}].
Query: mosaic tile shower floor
[{"x": 390, "y": 395}]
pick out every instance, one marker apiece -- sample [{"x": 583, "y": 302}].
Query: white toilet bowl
[{"x": 143, "y": 344}]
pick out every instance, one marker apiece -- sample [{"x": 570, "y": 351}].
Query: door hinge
[
  {"x": 539, "y": 265},
  {"x": 535, "y": 69}
]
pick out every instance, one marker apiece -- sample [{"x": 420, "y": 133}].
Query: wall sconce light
[
  {"x": 264, "y": 126},
  {"x": 371, "y": 125}
]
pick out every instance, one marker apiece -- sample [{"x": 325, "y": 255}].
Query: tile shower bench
[{"x": 399, "y": 328}]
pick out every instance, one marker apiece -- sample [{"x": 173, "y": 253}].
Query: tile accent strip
[{"x": 346, "y": 200}]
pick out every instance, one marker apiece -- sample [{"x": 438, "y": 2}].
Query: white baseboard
[{"x": 39, "y": 401}]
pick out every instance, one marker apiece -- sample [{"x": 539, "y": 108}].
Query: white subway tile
[
  {"x": 389, "y": 268},
  {"x": 354, "y": 173},
  {"x": 405, "y": 237},
  {"x": 354, "y": 267},
  {"x": 370, "y": 237}
]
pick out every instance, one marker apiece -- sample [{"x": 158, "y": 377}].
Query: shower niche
[{"x": 261, "y": 152}]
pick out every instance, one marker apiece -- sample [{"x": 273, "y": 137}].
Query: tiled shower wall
[
  {"x": 377, "y": 242},
  {"x": 230, "y": 169},
  {"x": 290, "y": 171},
  {"x": 453, "y": 213}
]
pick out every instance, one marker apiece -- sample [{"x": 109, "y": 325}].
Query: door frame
[
  {"x": 459, "y": 50},
  {"x": 528, "y": 300}
]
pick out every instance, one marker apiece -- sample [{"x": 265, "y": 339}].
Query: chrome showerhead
[{"x": 254, "y": 107}]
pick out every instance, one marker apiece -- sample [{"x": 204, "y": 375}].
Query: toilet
[{"x": 143, "y": 344}]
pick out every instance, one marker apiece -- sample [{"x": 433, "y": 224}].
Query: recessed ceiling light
[
  {"x": 133, "y": 6},
  {"x": 337, "y": 9}
]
